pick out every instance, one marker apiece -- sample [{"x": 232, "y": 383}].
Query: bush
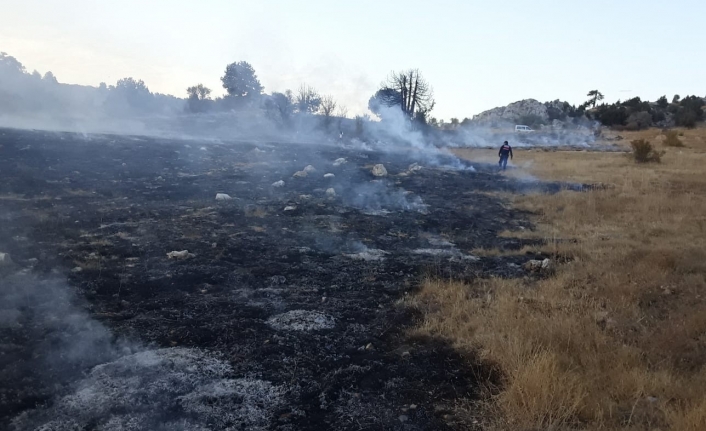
[
  {"x": 672, "y": 140},
  {"x": 639, "y": 120},
  {"x": 643, "y": 152},
  {"x": 685, "y": 118}
]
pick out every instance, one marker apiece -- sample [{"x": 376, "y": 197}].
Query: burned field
[{"x": 278, "y": 309}]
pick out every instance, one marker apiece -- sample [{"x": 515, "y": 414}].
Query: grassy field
[{"x": 615, "y": 338}]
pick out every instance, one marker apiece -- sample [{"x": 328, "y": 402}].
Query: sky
[{"x": 477, "y": 55}]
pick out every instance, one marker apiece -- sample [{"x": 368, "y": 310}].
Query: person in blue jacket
[{"x": 504, "y": 153}]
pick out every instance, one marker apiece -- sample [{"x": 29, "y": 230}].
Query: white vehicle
[{"x": 523, "y": 129}]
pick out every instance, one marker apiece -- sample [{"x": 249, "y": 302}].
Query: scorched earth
[{"x": 136, "y": 300}]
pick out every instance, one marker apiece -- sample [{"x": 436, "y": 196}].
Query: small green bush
[
  {"x": 672, "y": 140},
  {"x": 643, "y": 152}
]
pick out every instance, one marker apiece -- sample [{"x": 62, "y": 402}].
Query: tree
[
  {"x": 199, "y": 92},
  {"x": 49, "y": 77},
  {"x": 328, "y": 106},
  {"x": 280, "y": 106},
  {"x": 595, "y": 96},
  {"x": 198, "y": 97},
  {"x": 408, "y": 90},
  {"x": 129, "y": 94},
  {"x": 662, "y": 102},
  {"x": 676, "y": 98},
  {"x": 10, "y": 65},
  {"x": 308, "y": 100},
  {"x": 454, "y": 122},
  {"x": 384, "y": 97},
  {"x": 241, "y": 81}
]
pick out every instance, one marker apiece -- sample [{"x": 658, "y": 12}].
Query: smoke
[
  {"x": 127, "y": 386},
  {"x": 378, "y": 197}
]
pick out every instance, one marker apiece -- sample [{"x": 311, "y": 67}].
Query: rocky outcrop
[{"x": 521, "y": 112}]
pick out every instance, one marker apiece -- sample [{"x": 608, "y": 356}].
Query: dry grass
[{"x": 616, "y": 339}]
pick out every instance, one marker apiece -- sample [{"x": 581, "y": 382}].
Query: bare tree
[
  {"x": 328, "y": 107},
  {"x": 342, "y": 111},
  {"x": 413, "y": 92},
  {"x": 308, "y": 100}
]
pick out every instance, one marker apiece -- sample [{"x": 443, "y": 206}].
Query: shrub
[
  {"x": 672, "y": 140},
  {"x": 643, "y": 152},
  {"x": 685, "y": 118},
  {"x": 639, "y": 120}
]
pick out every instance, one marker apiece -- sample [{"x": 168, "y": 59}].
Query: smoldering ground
[{"x": 281, "y": 315}]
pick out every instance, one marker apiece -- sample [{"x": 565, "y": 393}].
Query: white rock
[
  {"x": 330, "y": 192},
  {"x": 339, "y": 162},
  {"x": 300, "y": 174},
  {"x": 545, "y": 265},
  {"x": 223, "y": 197},
  {"x": 329, "y": 175},
  {"x": 179, "y": 255},
  {"x": 310, "y": 169},
  {"x": 5, "y": 260},
  {"x": 290, "y": 208},
  {"x": 279, "y": 183},
  {"x": 379, "y": 170},
  {"x": 414, "y": 167}
]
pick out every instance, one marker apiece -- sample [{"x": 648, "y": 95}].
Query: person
[{"x": 505, "y": 151}]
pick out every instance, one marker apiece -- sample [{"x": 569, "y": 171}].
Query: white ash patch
[
  {"x": 371, "y": 254},
  {"x": 138, "y": 392},
  {"x": 302, "y": 320},
  {"x": 444, "y": 252},
  {"x": 279, "y": 183},
  {"x": 339, "y": 162},
  {"x": 440, "y": 242},
  {"x": 309, "y": 169}
]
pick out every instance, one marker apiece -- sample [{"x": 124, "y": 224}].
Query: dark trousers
[{"x": 503, "y": 161}]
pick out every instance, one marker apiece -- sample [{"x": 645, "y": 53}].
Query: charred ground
[{"x": 103, "y": 211}]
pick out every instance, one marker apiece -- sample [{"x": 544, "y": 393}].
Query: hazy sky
[{"x": 476, "y": 54}]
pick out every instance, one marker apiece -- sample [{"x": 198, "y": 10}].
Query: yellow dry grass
[{"x": 616, "y": 339}]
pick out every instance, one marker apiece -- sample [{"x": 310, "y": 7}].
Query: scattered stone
[
  {"x": 331, "y": 192},
  {"x": 414, "y": 167},
  {"x": 290, "y": 207},
  {"x": 339, "y": 162},
  {"x": 379, "y": 170},
  {"x": 5, "y": 260},
  {"x": 403, "y": 418},
  {"x": 369, "y": 346},
  {"x": 309, "y": 169},
  {"x": 77, "y": 269},
  {"x": 278, "y": 184},
  {"x": 223, "y": 197},
  {"x": 302, "y": 320},
  {"x": 412, "y": 406},
  {"x": 179, "y": 255},
  {"x": 329, "y": 175},
  {"x": 534, "y": 265},
  {"x": 300, "y": 174}
]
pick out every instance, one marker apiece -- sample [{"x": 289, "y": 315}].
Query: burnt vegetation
[{"x": 293, "y": 287}]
